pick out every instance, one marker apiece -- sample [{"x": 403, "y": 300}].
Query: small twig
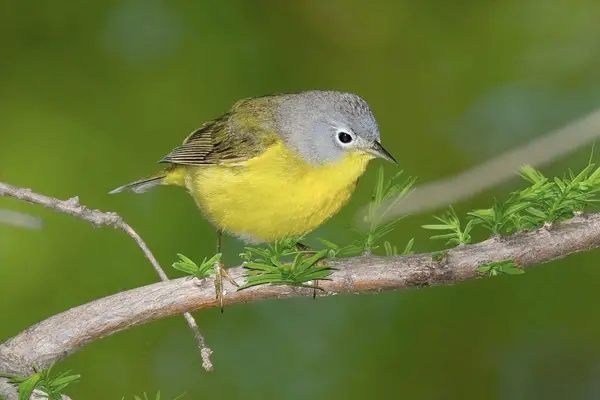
[
  {"x": 205, "y": 351},
  {"x": 110, "y": 219}
]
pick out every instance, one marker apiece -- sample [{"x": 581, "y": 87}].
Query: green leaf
[
  {"x": 507, "y": 267},
  {"x": 213, "y": 259},
  {"x": 583, "y": 174},
  {"x": 468, "y": 228},
  {"x": 185, "y": 259},
  {"x": 484, "y": 268},
  {"x": 27, "y": 387},
  {"x": 328, "y": 244},
  {"x": 444, "y": 236},
  {"x": 384, "y": 230},
  {"x": 436, "y": 227},
  {"x": 261, "y": 267},
  {"x": 259, "y": 280},
  {"x": 62, "y": 381},
  {"x": 595, "y": 175},
  {"x": 183, "y": 267},
  {"x": 512, "y": 270},
  {"x": 516, "y": 208},
  {"x": 408, "y": 248},
  {"x": 389, "y": 249},
  {"x": 275, "y": 261},
  {"x": 561, "y": 185},
  {"x": 484, "y": 213},
  {"x": 537, "y": 213},
  {"x": 532, "y": 175},
  {"x": 297, "y": 265}
]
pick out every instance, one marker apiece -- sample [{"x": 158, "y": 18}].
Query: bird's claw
[{"x": 220, "y": 273}]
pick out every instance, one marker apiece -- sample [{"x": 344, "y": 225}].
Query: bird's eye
[{"x": 344, "y": 137}]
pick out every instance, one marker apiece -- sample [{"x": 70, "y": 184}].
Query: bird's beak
[{"x": 378, "y": 151}]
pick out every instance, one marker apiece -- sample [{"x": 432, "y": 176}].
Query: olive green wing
[{"x": 218, "y": 142}]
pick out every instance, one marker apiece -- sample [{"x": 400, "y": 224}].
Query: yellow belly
[{"x": 275, "y": 195}]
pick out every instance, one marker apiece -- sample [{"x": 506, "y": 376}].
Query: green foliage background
[{"x": 92, "y": 94}]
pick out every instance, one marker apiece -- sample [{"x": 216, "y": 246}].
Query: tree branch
[
  {"x": 59, "y": 336},
  {"x": 111, "y": 219}
]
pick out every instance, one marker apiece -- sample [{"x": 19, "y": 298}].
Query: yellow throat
[{"x": 271, "y": 196}]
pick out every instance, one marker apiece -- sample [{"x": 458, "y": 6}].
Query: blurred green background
[{"x": 92, "y": 94}]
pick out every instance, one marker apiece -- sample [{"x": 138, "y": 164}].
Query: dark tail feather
[{"x": 142, "y": 185}]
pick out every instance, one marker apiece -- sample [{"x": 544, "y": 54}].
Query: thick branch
[{"x": 62, "y": 334}]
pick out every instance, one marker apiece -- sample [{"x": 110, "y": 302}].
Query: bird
[{"x": 273, "y": 166}]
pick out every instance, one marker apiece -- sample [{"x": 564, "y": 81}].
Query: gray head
[{"x": 323, "y": 125}]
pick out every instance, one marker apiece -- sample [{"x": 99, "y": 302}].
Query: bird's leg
[
  {"x": 225, "y": 273},
  {"x": 301, "y": 247},
  {"x": 221, "y": 272}
]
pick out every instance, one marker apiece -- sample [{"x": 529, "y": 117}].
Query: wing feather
[{"x": 216, "y": 142}]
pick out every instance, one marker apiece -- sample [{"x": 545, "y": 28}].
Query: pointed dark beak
[{"x": 378, "y": 151}]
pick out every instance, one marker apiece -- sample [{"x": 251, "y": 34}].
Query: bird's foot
[
  {"x": 309, "y": 252},
  {"x": 220, "y": 273}
]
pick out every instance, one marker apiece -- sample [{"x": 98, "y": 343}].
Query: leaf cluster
[
  {"x": 506, "y": 267},
  {"x": 205, "y": 269},
  {"x": 281, "y": 263},
  {"x": 43, "y": 380},
  {"x": 544, "y": 201},
  {"x": 395, "y": 190}
]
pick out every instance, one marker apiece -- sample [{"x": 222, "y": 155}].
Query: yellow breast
[{"x": 274, "y": 195}]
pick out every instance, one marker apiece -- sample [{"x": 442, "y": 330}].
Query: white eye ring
[{"x": 344, "y": 137}]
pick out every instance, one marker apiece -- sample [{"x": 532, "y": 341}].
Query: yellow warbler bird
[{"x": 274, "y": 166}]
